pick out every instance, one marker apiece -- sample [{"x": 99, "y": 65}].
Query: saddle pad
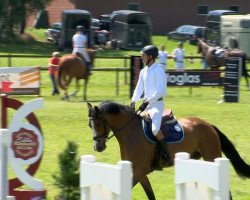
[{"x": 173, "y": 133}]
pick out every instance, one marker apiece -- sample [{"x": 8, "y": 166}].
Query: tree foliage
[
  {"x": 13, "y": 15},
  {"x": 69, "y": 177}
]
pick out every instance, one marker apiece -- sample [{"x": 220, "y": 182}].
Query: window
[
  {"x": 202, "y": 10},
  {"x": 234, "y": 8}
]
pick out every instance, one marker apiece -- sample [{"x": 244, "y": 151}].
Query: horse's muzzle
[{"x": 99, "y": 147}]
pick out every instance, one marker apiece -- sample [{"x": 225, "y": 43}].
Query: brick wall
[{"x": 55, "y": 9}]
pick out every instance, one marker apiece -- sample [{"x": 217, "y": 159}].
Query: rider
[
  {"x": 152, "y": 84},
  {"x": 79, "y": 42}
]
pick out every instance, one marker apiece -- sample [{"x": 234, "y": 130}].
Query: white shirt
[
  {"x": 163, "y": 55},
  {"x": 79, "y": 40},
  {"x": 179, "y": 55},
  {"x": 152, "y": 82}
]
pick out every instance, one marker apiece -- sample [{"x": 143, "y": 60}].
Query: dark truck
[
  {"x": 72, "y": 18},
  {"x": 130, "y": 29}
]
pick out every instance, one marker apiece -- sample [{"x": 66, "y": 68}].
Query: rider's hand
[
  {"x": 132, "y": 106},
  {"x": 143, "y": 106}
]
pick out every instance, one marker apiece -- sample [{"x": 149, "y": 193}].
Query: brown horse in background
[
  {"x": 72, "y": 66},
  {"x": 216, "y": 61},
  {"x": 201, "y": 140}
]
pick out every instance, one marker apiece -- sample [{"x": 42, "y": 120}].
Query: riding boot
[{"x": 165, "y": 154}]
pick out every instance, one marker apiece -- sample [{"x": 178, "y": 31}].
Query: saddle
[
  {"x": 218, "y": 52},
  {"x": 172, "y": 131},
  {"x": 86, "y": 63}
]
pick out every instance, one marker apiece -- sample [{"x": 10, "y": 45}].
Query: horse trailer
[
  {"x": 238, "y": 27},
  {"x": 213, "y": 21},
  {"x": 72, "y": 18},
  {"x": 130, "y": 29}
]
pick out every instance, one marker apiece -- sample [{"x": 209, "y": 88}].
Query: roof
[
  {"x": 127, "y": 12},
  {"x": 221, "y": 12},
  {"x": 76, "y": 11}
]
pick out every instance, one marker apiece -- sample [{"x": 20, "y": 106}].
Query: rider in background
[
  {"x": 179, "y": 55},
  {"x": 152, "y": 84},
  {"x": 163, "y": 56},
  {"x": 79, "y": 42}
]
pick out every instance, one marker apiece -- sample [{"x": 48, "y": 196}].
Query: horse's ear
[
  {"x": 89, "y": 105},
  {"x": 96, "y": 109}
]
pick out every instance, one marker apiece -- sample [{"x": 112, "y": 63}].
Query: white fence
[
  {"x": 105, "y": 181},
  {"x": 196, "y": 180}
]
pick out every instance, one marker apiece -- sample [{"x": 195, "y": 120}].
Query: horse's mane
[{"x": 112, "y": 107}]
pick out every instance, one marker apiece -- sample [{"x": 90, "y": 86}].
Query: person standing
[
  {"x": 179, "y": 55},
  {"x": 52, "y": 67},
  {"x": 163, "y": 56},
  {"x": 152, "y": 84},
  {"x": 79, "y": 43}
]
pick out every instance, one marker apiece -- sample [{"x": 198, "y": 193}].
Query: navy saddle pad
[{"x": 173, "y": 132}]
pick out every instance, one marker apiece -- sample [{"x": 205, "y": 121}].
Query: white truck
[{"x": 238, "y": 27}]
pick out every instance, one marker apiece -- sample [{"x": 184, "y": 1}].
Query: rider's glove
[{"x": 143, "y": 106}]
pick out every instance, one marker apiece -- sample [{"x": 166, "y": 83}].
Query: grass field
[{"x": 68, "y": 121}]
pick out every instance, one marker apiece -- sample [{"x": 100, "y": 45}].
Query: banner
[
  {"x": 194, "y": 78},
  {"x": 20, "y": 80}
]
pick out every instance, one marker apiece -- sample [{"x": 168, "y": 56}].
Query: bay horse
[
  {"x": 72, "y": 66},
  {"x": 216, "y": 61},
  {"x": 201, "y": 140}
]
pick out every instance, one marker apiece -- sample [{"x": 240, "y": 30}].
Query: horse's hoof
[{"x": 65, "y": 98}]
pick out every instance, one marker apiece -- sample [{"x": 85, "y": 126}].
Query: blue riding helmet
[{"x": 150, "y": 50}]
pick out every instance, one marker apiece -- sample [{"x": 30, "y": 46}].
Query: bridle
[{"x": 105, "y": 125}]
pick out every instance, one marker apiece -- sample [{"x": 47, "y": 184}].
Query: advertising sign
[
  {"x": 232, "y": 80},
  {"x": 20, "y": 80},
  {"x": 194, "y": 78},
  {"x": 177, "y": 78}
]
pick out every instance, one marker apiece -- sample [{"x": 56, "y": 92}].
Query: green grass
[{"x": 63, "y": 121}]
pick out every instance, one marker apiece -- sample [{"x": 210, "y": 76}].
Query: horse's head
[{"x": 99, "y": 128}]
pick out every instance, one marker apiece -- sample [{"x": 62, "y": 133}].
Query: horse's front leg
[
  {"x": 73, "y": 94},
  {"x": 144, "y": 181}
]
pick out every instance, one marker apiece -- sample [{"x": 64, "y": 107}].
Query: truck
[{"x": 238, "y": 27}]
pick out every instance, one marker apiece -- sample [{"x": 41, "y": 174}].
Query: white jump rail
[
  {"x": 105, "y": 181},
  {"x": 196, "y": 179}
]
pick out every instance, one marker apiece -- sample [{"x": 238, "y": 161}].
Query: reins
[{"x": 115, "y": 131}]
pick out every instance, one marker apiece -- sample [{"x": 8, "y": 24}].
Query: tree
[
  {"x": 68, "y": 178},
  {"x": 13, "y": 15}
]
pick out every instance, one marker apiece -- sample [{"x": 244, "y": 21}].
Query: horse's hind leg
[
  {"x": 146, "y": 187},
  {"x": 85, "y": 89}
]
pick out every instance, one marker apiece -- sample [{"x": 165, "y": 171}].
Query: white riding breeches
[
  {"x": 155, "y": 111},
  {"x": 83, "y": 53}
]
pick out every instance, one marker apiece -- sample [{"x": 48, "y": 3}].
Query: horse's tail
[
  {"x": 239, "y": 165},
  {"x": 61, "y": 77}
]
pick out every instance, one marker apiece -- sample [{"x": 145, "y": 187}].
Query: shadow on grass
[{"x": 34, "y": 47}]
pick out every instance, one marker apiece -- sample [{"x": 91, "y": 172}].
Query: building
[
  {"x": 54, "y": 8},
  {"x": 165, "y": 15}
]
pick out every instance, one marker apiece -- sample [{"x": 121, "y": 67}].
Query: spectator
[
  {"x": 101, "y": 39},
  {"x": 163, "y": 55},
  {"x": 179, "y": 55},
  {"x": 52, "y": 66}
]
